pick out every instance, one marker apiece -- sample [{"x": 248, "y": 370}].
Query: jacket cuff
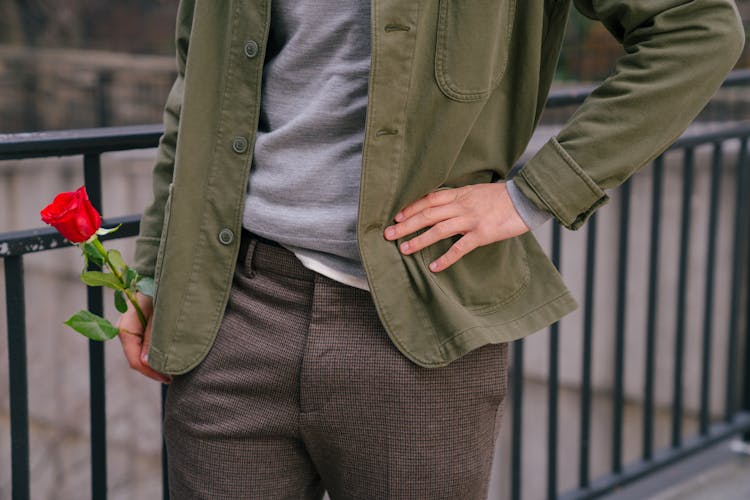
[
  {"x": 146, "y": 250},
  {"x": 553, "y": 181}
]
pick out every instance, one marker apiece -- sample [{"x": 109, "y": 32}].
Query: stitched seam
[
  {"x": 576, "y": 168},
  {"x": 447, "y": 84},
  {"x": 202, "y": 239},
  {"x": 385, "y": 318},
  {"x": 558, "y": 209},
  {"x": 464, "y": 332},
  {"x": 150, "y": 240},
  {"x": 229, "y": 269},
  {"x": 488, "y": 308},
  {"x": 514, "y": 320}
]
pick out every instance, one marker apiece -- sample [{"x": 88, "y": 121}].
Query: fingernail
[
  {"x": 399, "y": 217},
  {"x": 405, "y": 246},
  {"x": 433, "y": 266},
  {"x": 144, "y": 357},
  {"x": 390, "y": 232}
]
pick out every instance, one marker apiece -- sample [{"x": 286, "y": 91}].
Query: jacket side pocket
[{"x": 485, "y": 278}]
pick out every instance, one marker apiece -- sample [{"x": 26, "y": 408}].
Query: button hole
[
  {"x": 396, "y": 27},
  {"x": 386, "y": 131}
]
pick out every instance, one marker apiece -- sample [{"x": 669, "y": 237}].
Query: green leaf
[
  {"x": 92, "y": 326},
  {"x": 92, "y": 254},
  {"x": 115, "y": 257},
  {"x": 131, "y": 276},
  {"x": 145, "y": 285},
  {"x": 98, "y": 278},
  {"x": 120, "y": 303},
  {"x": 101, "y": 231}
]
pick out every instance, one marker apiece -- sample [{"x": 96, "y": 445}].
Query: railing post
[
  {"x": 618, "y": 389},
  {"x": 18, "y": 377},
  {"x": 97, "y": 405},
  {"x": 164, "y": 465},
  {"x": 517, "y": 419},
  {"x": 657, "y": 190},
  {"x": 688, "y": 169},
  {"x": 746, "y": 337},
  {"x": 738, "y": 258},
  {"x": 554, "y": 381},
  {"x": 588, "y": 334}
]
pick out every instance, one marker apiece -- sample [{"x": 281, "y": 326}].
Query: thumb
[{"x": 146, "y": 343}]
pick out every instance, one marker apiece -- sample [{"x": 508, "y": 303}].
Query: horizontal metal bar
[
  {"x": 80, "y": 141},
  {"x": 737, "y": 78},
  {"x": 732, "y": 132},
  {"x": 638, "y": 470},
  {"x": 569, "y": 97},
  {"x": 47, "y": 238}
]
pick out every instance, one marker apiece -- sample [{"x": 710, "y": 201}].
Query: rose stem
[{"x": 103, "y": 252}]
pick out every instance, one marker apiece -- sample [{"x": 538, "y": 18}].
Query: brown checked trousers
[{"x": 302, "y": 391}]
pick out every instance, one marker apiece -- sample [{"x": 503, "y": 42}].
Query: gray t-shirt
[{"x": 304, "y": 182}]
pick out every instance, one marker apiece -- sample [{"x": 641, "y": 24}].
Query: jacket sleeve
[
  {"x": 147, "y": 242},
  {"x": 677, "y": 53}
]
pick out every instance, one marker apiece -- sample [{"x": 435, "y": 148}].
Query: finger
[
  {"x": 146, "y": 343},
  {"x": 431, "y": 199},
  {"x": 165, "y": 379},
  {"x": 460, "y": 248},
  {"x": 130, "y": 323},
  {"x": 132, "y": 346},
  {"x": 430, "y": 216},
  {"x": 436, "y": 233}
]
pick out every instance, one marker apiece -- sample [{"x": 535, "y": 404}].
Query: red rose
[{"x": 73, "y": 215}]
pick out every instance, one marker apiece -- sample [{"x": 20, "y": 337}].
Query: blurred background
[
  {"x": 70, "y": 64},
  {"x": 88, "y": 63}
]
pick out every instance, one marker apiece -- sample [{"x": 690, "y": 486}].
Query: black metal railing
[
  {"x": 90, "y": 144},
  {"x": 14, "y": 245},
  {"x": 736, "y": 418}
]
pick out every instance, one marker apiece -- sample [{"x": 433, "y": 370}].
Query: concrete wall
[{"x": 48, "y": 89}]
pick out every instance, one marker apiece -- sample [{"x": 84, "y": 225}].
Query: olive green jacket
[{"x": 456, "y": 88}]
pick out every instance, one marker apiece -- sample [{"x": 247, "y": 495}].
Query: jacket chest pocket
[{"x": 473, "y": 40}]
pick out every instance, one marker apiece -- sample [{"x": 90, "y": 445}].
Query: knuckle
[
  {"x": 458, "y": 247},
  {"x": 444, "y": 230},
  {"x": 462, "y": 246},
  {"x": 416, "y": 244}
]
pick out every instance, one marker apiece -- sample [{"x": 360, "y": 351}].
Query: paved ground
[{"x": 720, "y": 473}]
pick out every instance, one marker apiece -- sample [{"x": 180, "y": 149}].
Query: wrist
[{"x": 531, "y": 215}]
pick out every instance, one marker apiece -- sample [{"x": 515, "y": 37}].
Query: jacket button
[
  {"x": 226, "y": 236},
  {"x": 251, "y": 49},
  {"x": 239, "y": 145}
]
